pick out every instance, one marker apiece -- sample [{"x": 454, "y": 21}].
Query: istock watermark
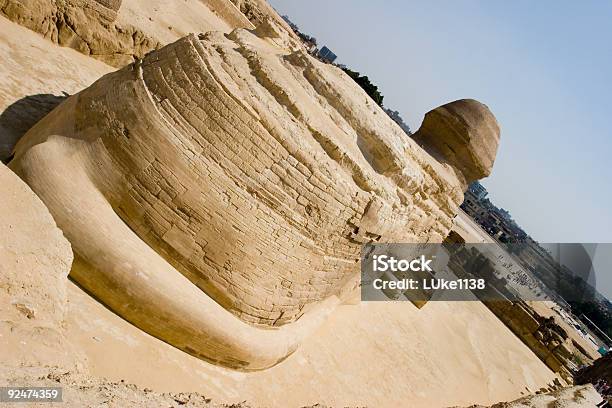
[
  {"x": 383, "y": 263},
  {"x": 563, "y": 272}
]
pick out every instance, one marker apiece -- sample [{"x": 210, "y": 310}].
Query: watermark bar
[
  {"x": 484, "y": 271},
  {"x": 30, "y": 394}
]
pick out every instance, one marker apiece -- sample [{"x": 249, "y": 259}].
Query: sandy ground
[
  {"x": 33, "y": 65},
  {"x": 582, "y": 396},
  {"x": 375, "y": 354}
]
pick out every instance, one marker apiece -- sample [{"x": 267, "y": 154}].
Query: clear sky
[{"x": 543, "y": 67}]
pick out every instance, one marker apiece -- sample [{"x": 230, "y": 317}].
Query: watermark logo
[{"x": 383, "y": 263}]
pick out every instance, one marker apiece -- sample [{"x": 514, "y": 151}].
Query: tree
[{"x": 366, "y": 85}]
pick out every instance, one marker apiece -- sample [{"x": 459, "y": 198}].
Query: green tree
[{"x": 364, "y": 82}]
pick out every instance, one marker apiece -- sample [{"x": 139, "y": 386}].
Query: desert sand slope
[
  {"x": 34, "y": 74},
  {"x": 374, "y": 354}
]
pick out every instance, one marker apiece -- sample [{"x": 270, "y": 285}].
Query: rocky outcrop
[
  {"x": 258, "y": 11},
  {"x": 95, "y": 27},
  {"x": 32, "y": 250},
  {"x": 226, "y": 182},
  {"x": 463, "y": 133},
  {"x": 87, "y": 26}
]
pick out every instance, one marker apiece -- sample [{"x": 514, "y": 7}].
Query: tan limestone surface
[
  {"x": 464, "y": 134},
  {"x": 87, "y": 26},
  {"x": 169, "y": 20},
  {"x": 116, "y": 31},
  {"x": 228, "y": 173},
  {"x": 35, "y": 88}
]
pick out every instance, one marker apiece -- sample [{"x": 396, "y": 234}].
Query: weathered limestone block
[
  {"x": 224, "y": 183},
  {"x": 565, "y": 350},
  {"x": 87, "y": 26}
]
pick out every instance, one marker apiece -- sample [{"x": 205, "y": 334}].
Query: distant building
[
  {"x": 496, "y": 221},
  {"x": 311, "y": 48},
  {"x": 478, "y": 190},
  {"x": 505, "y": 214},
  {"x": 327, "y": 55}
]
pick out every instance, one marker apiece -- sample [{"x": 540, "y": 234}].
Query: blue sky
[{"x": 544, "y": 68}]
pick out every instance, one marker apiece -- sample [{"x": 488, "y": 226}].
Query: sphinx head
[{"x": 463, "y": 133}]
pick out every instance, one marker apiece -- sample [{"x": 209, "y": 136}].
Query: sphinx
[{"x": 217, "y": 192}]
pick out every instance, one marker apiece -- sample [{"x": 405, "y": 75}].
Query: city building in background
[
  {"x": 496, "y": 221},
  {"x": 327, "y": 55}
]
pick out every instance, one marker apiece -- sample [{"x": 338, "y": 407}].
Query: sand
[{"x": 375, "y": 354}]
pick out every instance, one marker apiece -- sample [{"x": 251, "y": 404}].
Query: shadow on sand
[{"x": 20, "y": 116}]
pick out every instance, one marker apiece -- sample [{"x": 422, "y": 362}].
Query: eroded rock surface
[
  {"x": 87, "y": 26},
  {"x": 105, "y": 30},
  {"x": 226, "y": 182},
  {"x": 32, "y": 250}
]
